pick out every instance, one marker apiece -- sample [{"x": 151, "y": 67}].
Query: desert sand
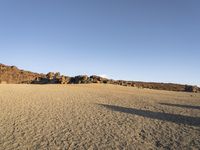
[{"x": 97, "y": 116}]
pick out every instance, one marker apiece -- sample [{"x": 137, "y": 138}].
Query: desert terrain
[{"x": 97, "y": 116}]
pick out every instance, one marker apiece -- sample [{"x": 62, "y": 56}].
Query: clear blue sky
[{"x": 146, "y": 40}]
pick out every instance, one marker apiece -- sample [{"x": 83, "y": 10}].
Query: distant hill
[{"x": 13, "y": 75}]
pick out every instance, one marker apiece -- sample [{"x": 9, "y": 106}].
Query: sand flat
[{"x": 97, "y": 116}]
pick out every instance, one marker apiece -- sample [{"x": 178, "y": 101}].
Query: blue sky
[{"x": 157, "y": 40}]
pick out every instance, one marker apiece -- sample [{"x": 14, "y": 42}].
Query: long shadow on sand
[
  {"x": 180, "y": 105},
  {"x": 178, "y": 119}
]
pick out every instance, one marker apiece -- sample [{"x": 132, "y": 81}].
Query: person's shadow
[{"x": 178, "y": 119}]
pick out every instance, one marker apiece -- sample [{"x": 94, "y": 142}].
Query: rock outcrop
[{"x": 11, "y": 74}]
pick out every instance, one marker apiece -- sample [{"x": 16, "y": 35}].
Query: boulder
[
  {"x": 96, "y": 79},
  {"x": 13, "y": 67},
  {"x": 195, "y": 89},
  {"x": 80, "y": 79},
  {"x": 189, "y": 88},
  {"x": 57, "y": 75},
  {"x": 62, "y": 80},
  {"x": 40, "y": 80},
  {"x": 50, "y": 75}
]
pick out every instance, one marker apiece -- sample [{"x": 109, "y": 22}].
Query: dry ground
[{"x": 97, "y": 117}]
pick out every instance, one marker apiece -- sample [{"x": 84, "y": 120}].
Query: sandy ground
[{"x": 97, "y": 117}]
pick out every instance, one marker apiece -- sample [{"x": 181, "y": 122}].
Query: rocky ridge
[{"x": 13, "y": 75}]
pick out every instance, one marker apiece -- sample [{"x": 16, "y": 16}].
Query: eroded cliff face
[{"x": 13, "y": 75}]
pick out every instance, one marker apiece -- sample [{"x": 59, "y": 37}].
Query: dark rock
[
  {"x": 62, "y": 80},
  {"x": 57, "y": 75},
  {"x": 193, "y": 89},
  {"x": 40, "y": 80},
  {"x": 50, "y": 75},
  {"x": 14, "y": 67},
  {"x": 80, "y": 79}
]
